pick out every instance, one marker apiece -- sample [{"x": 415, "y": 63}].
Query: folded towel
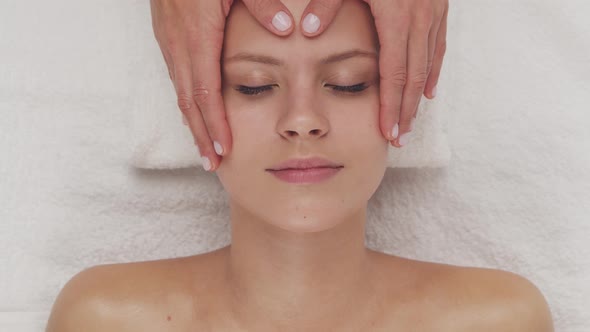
[{"x": 161, "y": 141}]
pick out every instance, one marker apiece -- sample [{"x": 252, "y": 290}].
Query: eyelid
[
  {"x": 343, "y": 89},
  {"x": 350, "y": 89},
  {"x": 261, "y": 89}
]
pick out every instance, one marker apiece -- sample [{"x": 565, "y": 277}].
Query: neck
[{"x": 278, "y": 279}]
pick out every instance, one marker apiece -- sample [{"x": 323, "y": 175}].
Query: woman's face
[{"x": 299, "y": 114}]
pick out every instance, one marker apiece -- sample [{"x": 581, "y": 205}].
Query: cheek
[
  {"x": 252, "y": 128},
  {"x": 358, "y": 118},
  {"x": 248, "y": 120},
  {"x": 357, "y": 129}
]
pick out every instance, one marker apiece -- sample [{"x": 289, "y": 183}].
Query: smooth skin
[{"x": 412, "y": 35}]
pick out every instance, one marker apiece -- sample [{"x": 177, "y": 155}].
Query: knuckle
[
  {"x": 396, "y": 76},
  {"x": 418, "y": 81},
  {"x": 184, "y": 102},
  {"x": 200, "y": 94}
]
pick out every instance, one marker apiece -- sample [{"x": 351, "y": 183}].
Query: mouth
[
  {"x": 303, "y": 168},
  {"x": 306, "y": 175},
  {"x": 306, "y": 163}
]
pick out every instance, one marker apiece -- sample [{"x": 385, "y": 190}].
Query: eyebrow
[{"x": 268, "y": 60}]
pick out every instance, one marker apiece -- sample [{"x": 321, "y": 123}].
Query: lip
[
  {"x": 314, "y": 162},
  {"x": 309, "y": 170},
  {"x": 308, "y": 175}
]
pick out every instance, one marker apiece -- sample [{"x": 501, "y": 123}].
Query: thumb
[
  {"x": 318, "y": 15},
  {"x": 272, "y": 14}
]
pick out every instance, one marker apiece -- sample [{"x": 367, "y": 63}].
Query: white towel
[{"x": 160, "y": 140}]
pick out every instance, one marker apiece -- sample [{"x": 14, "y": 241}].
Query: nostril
[{"x": 315, "y": 131}]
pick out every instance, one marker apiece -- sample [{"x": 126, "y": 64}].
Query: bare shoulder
[
  {"x": 139, "y": 296},
  {"x": 443, "y": 297},
  {"x": 81, "y": 304},
  {"x": 497, "y": 300}
]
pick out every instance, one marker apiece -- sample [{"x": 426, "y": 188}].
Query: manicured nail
[
  {"x": 394, "y": 131},
  {"x": 311, "y": 23},
  {"x": 404, "y": 139},
  {"x": 218, "y": 148},
  {"x": 206, "y": 163},
  {"x": 281, "y": 21},
  {"x": 434, "y": 92},
  {"x": 184, "y": 120}
]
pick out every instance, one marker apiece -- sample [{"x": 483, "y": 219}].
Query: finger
[
  {"x": 206, "y": 91},
  {"x": 318, "y": 15},
  {"x": 272, "y": 14},
  {"x": 431, "y": 46},
  {"x": 439, "y": 54},
  {"x": 417, "y": 75},
  {"x": 189, "y": 108},
  {"x": 393, "y": 38},
  {"x": 169, "y": 63}
]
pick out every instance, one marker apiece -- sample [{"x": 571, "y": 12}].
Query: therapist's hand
[
  {"x": 412, "y": 35},
  {"x": 190, "y": 36}
]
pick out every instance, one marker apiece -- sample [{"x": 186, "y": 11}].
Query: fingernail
[
  {"x": 434, "y": 92},
  {"x": 281, "y": 21},
  {"x": 184, "y": 120},
  {"x": 206, "y": 163},
  {"x": 218, "y": 148},
  {"x": 394, "y": 131},
  {"x": 404, "y": 139},
  {"x": 311, "y": 23}
]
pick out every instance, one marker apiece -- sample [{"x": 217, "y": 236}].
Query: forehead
[{"x": 352, "y": 28}]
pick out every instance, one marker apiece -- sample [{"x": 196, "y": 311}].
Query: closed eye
[
  {"x": 350, "y": 89},
  {"x": 256, "y": 90}
]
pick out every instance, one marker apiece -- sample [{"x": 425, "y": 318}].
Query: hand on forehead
[{"x": 353, "y": 27}]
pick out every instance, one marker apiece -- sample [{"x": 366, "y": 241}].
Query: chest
[
  {"x": 419, "y": 315},
  {"x": 432, "y": 304},
  {"x": 402, "y": 320}
]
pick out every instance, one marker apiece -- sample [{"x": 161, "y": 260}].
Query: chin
[
  {"x": 305, "y": 225},
  {"x": 308, "y": 216}
]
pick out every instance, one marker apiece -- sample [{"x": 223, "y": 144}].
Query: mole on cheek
[{"x": 168, "y": 318}]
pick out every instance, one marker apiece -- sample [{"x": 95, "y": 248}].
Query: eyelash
[{"x": 256, "y": 90}]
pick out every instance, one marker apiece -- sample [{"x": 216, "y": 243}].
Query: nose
[{"x": 304, "y": 118}]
